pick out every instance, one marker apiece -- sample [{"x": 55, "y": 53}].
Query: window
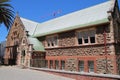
[
  {"x": 62, "y": 65},
  {"x": 46, "y": 63},
  {"x": 23, "y": 41},
  {"x": 80, "y": 41},
  {"x": 15, "y": 24},
  {"x": 92, "y": 36},
  {"x": 80, "y": 38},
  {"x": 91, "y": 66},
  {"x": 51, "y": 64},
  {"x": 52, "y": 41},
  {"x": 85, "y": 40},
  {"x": 81, "y": 66},
  {"x": 92, "y": 39},
  {"x": 56, "y": 64},
  {"x": 85, "y": 37}
]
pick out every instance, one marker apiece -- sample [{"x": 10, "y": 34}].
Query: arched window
[{"x": 23, "y": 52}]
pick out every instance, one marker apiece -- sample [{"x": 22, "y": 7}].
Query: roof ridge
[{"x": 34, "y": 30}]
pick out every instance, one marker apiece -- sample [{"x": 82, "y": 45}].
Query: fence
[{"x": 40, "y": 63}]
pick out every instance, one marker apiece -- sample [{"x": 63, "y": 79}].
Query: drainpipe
[{"x": 105, "y": 51}]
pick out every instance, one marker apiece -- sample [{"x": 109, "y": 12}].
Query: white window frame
[
  {"x": 84, "y": 34},
  {"x": 50, "y": 40}
]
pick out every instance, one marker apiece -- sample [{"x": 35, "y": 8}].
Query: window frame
[
  {"x": 89, "y": 67},
  {"x": 56, "y": 64},
  {"x": 62, "y": 66},
  {"x": 50, "y": 40},
  {"x": 83, "y": 34},
  {"x": 79, "y": 66},
  {"x": 51, "y": 64}
]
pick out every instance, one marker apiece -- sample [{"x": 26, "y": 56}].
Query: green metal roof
[
  {"x": 73, "y": 27},
  {"x": 37, "y": 45},
  {"x": 79, "y": 19}
]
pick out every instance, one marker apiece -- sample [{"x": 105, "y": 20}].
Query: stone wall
[
  {"x": 71, "y": 64},
  {"x": 14, "y": 38},
  {"x": 67, "y": 39},
  {"x": 105, "y": 66},
  {"x": 118, "y": 64},
  {"x": 67, "y": 47},
  {"x": 116, "y": 28},
  {"x": 16, "y": 32},
  {"x": 80, "y": 51},
  {"x": 100, "y": 38}
]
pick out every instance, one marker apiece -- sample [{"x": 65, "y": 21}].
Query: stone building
[
  {"x": 87, "y": 40},
  {"x": 20, "y": 45},
  {"x": 2, "y": 50}
]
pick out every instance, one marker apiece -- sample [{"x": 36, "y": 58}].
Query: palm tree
[{"x": 6, "y": 13}]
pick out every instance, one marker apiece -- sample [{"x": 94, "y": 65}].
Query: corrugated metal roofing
[
  {"x": 29, "y": 25},
  {"x": 79, "y": 19},
  {"x": 37, "y": 45}
]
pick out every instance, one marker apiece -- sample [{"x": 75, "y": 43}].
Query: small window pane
[
  {"x": 62, "y": 65},
  {"x": 85, "y": 40},
  {"x": 56, "y": 64},
  {"x": 91, "y": 66},
  {"x": 52, "y": 44},
  {"x": 92, "y": 39},
  {"x": 80, "y": 41},
  {"x": 55, "y": 40},
  {"x": 51, "y": 64},
  {"x": 81, "y": 66},
  {"x": 46, "y": 63}
]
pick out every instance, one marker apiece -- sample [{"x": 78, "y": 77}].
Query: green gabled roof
[
  {"x": 73, "y": 27},
  {"x": 79, "y": 19},
  {"x": 37, "y": 45}
]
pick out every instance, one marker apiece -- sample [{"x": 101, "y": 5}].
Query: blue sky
[{"x": 43, "y": 10}]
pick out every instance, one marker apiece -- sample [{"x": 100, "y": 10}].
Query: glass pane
[
  {"x": 62, "y": 65},
  {"x": 55, "y": 40},
  {"x": 91, "y": 66},
  {"x": 80, "y": 41},
  {"x": 52, "y": 44},
  {"x": 57, "y": 64},
  {"x": 51, "y": 64},
  {"x": 81, "y": 66},
  {"x": 85, "y": 40},
  {"x": 92, "y": 39}
]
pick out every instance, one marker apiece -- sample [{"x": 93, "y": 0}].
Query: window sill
[{"x": 81, "y": 45}]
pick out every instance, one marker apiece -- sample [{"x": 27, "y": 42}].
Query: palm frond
[
  {"x": 6, "y": 5},
  {"x": 6, "y": 13},
  {"x": 4, "y": 1}
]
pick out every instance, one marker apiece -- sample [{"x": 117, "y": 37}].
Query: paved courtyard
[{"x": 14, "y": 73}]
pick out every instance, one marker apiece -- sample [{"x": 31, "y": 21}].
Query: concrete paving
[{"x": 15, "y": 73}]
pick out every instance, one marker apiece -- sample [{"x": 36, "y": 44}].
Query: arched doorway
[{"x": 23, "y": 57}]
